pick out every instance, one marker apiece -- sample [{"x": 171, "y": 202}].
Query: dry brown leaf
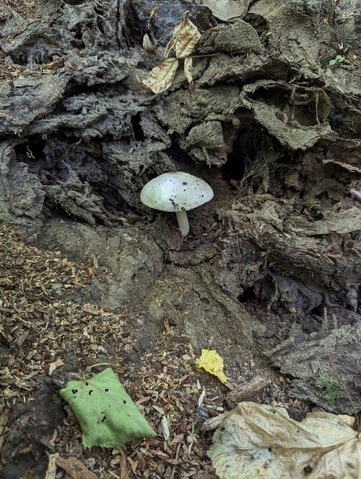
[
  {"x": 161, "y": 77},
  {"x": 188, "y": 70},
  {"x": 148, "y": 44},
  {"x": 184, "y": 39},
  {"x": 56, "y": 364}
]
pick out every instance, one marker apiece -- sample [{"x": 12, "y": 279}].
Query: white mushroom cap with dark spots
[{"x": 176, "y": 192}]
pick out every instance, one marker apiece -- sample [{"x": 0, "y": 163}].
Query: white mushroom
[{"x": 178, "y": 192}]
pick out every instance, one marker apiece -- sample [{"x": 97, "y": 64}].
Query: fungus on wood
[{"x": 176, "y": 192}]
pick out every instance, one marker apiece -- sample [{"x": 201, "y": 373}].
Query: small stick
[{"x": 176, "y": 458}]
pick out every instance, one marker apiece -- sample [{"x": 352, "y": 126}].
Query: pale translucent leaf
[
  {"x": 343, "y": 462},
  {"x": 255, "y": 440},
  {"x": 226, "y": 9}
]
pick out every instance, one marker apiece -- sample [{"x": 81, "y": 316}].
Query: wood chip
[
  {"x": 248, "y": 391},
  {"x": 75, "y": 468}
]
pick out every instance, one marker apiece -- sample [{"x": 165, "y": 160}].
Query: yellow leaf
[
  {"x": 212, "y": 362},
  {"x": 184, "y": 38},
  {"x": 161, "y": 77}
]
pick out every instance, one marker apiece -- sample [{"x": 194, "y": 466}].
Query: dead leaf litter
[{"x": 47, "y": 335}]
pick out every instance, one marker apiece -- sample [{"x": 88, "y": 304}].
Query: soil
[{"x": 269, "y": 275}]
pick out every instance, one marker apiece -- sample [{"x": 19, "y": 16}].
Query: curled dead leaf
[
  {"x": 56, "y": 364},
  {"x": 188, "y": 70},
  {"x": 161, "y": 77},
  {"x": 148, "y": 44},
  {"x": 184, "y": 38}
]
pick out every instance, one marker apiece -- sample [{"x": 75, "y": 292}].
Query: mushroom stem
[{"x": 183, "y": 223}]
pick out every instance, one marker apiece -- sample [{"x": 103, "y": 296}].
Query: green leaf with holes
[{"x": 107, "y": 415}]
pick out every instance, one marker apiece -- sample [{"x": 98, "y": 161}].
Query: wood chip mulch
[
  {"x": 48, "y": 335},
  {"x": 25, "y": 8}
]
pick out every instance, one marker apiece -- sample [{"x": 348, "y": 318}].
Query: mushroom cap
[{"x": 176, "y": 191}]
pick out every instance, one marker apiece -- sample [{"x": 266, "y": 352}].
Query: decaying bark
[{"x": 269, "y": 122}]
